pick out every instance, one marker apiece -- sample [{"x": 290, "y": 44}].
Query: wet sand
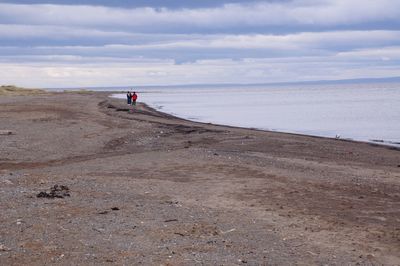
[{"x": 149, "y": 188}]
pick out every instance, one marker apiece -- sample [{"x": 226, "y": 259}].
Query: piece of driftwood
[{"x": 5, "y": 132}]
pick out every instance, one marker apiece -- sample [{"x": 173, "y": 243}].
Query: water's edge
[{"x": 395, "y": 146}]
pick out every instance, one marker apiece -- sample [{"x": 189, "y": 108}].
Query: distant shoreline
[
  {"x": 389, "y": 144},
  {"x": 216, "y": 85},
  {"x": 17, "y": 91}
]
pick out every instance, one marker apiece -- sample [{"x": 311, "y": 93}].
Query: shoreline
[
  {"x": 389, "y": 145},
  {"x": 147, "y": 187},
  {"x": 382, "y": 142}
]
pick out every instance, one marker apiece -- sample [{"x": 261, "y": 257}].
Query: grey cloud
[
  {"x": 189, "y": 47},
  {"x": 293, "y": 40},
  {"x": 137, "y": 3},
  {"x": 293, "y": 14}
]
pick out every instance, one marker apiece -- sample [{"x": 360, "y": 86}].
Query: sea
[{"x": 368, "y": 112}]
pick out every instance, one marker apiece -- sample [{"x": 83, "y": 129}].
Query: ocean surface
[{"x": 365, "y": 112}]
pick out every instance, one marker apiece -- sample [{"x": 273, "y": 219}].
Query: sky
[{"x": 100, "y": 43}]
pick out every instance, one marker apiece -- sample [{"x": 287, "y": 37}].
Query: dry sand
[{"x": 148, "y": 188}]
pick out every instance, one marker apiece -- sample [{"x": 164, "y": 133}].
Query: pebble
[
  {"x": 8, "y": 182},
  {"x": 4, "y": 248}
]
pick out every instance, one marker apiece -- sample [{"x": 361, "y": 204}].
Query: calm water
[{"x": 366, "y": 112}]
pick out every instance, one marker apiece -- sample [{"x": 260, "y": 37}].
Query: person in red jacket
[{"x": 134, "y": 98}]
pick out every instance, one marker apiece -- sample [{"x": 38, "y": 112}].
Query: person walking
[
  {"x": 134, "y": 98},
  {"x": 129, "y": 97}
]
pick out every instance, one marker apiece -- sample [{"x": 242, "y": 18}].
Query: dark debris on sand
[{"x": 57, "y": 191}]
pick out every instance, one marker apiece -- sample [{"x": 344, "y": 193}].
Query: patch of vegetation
[{"x": 14, "y": 90}]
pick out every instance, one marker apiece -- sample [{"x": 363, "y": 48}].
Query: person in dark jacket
[{"x": 129, "y": 97}]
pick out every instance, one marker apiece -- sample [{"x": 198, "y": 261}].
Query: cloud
[
  {"x": 135, "y": 3},
  {"x": 15, "y": 31},
  {"x": 206, "y": 46},
  {"x": 382, "y": 53},
  {"x": 98, "y": 72},
  {"x": 52, "y": 45},
  {"x": 258, "y": 14}
]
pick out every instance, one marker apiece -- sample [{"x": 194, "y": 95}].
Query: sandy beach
[{"x": 143, "y": 187}]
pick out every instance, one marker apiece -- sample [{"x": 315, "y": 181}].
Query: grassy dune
[{"x": 13, "y": 90}]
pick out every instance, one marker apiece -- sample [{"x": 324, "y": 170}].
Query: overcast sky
[{"x": 165, "y": 42}]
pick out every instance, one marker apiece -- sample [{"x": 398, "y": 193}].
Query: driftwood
[{"x": 5, "y": 132}]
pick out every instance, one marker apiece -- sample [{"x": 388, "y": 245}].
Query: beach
[{"x": 144, "y": 187}]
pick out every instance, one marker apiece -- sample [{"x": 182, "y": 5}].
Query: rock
[
  {"x": 55, "y": 192},
  {"x": 170, "y": 220},
  {"x": 115, "y": 208},
  {"x": 172, "y": 202},
  {"x": 4, "y": 248},
  {"x": 8, "y": 182}
]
